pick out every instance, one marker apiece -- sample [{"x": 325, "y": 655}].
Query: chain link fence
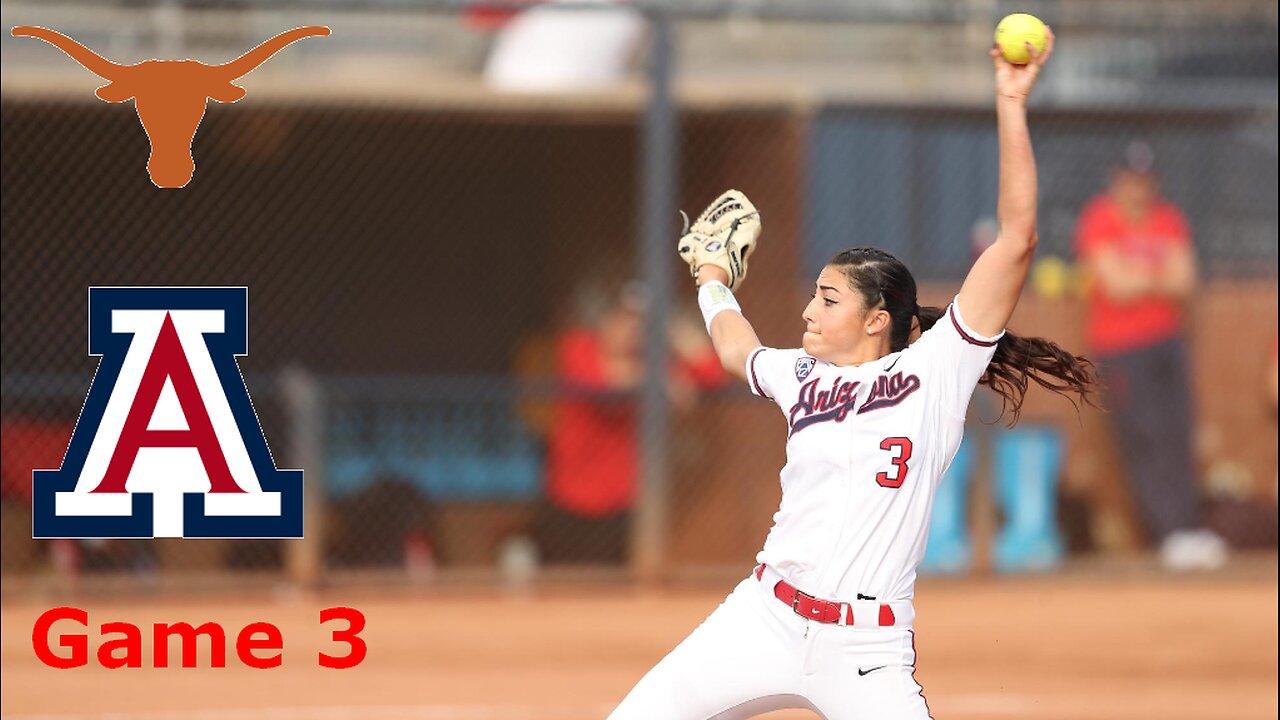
[{"x": 441, "y": 232}]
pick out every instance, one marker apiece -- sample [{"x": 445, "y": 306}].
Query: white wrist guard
[{"x": 713, "y": 299}]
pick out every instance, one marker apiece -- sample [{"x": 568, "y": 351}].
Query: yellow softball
[{"x": 1014, "y": 31}]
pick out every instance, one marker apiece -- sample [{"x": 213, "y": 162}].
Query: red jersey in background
[
  {"x": 1120, "y": 327},
  {"x": 592, "y": 463}
]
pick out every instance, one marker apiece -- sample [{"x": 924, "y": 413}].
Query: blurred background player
[
  {"x": 1138, "y": 250},
  {"x": 591, "y": 449}
]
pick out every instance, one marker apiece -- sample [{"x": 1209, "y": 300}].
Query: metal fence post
[
  {"x": 304, "y": 408},
  {"x": 982, "y": 490},
  {"x": 657, "y": 207}
]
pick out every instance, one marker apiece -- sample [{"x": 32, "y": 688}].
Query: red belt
[{"x": 817, "y": 609}]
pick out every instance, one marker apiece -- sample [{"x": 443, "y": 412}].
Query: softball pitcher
[{"x": 874, "y": 419}]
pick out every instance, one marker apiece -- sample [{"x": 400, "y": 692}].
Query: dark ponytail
[
  {"x": 1019, "y": 359},
  {"x": 885, "y": 283}
]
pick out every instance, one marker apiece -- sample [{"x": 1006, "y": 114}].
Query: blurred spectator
[
  {"x": 592, "y": 456},
  {"x": 1138, "y": 251},
  {"x": 29, "y": 443}
]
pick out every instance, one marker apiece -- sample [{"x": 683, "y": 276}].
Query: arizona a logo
[{"x": 168, "y": 443}]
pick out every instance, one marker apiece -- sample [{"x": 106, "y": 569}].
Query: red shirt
[
  {"x": 1114, "y": 327},
  {"x": 591, "y": 464},
  {"x": 27, "y": 445}
]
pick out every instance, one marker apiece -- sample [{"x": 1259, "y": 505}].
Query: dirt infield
[{"x": 1079, "y": 645}]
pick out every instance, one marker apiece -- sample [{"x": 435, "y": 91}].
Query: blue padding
[
  {"x": 1028, "y": 461},
  {"x": 949, "y": 549},
  {"x": 446, "y": 450}
]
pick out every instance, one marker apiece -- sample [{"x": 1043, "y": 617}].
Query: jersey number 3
[{"x": 901, "y": 449}]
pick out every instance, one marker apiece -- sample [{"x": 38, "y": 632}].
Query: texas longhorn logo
[
  {"x": 168, "y": 443},
  {"x": 170, "y": 95}
]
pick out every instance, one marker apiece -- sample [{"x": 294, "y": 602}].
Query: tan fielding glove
[{"x": 724, "y": 235}]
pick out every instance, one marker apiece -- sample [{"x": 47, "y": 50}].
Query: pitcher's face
[{"x": 833, "y": 319}]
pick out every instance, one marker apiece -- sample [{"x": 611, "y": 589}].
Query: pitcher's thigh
[
  {"x": 866, "y": 675},
  {"x": 735, "y": 656},
  {"x": 887, "y": 694}
]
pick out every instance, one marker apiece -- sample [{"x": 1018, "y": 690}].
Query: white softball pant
[{"x": 754, "y": 655}]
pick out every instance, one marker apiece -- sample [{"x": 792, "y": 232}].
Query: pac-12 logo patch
[
  {"x": 168, "y": 443},
  {"x": 804, "y": 366}
]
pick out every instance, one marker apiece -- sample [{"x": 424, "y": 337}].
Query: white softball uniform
[{"x": 824, "y": 622}]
